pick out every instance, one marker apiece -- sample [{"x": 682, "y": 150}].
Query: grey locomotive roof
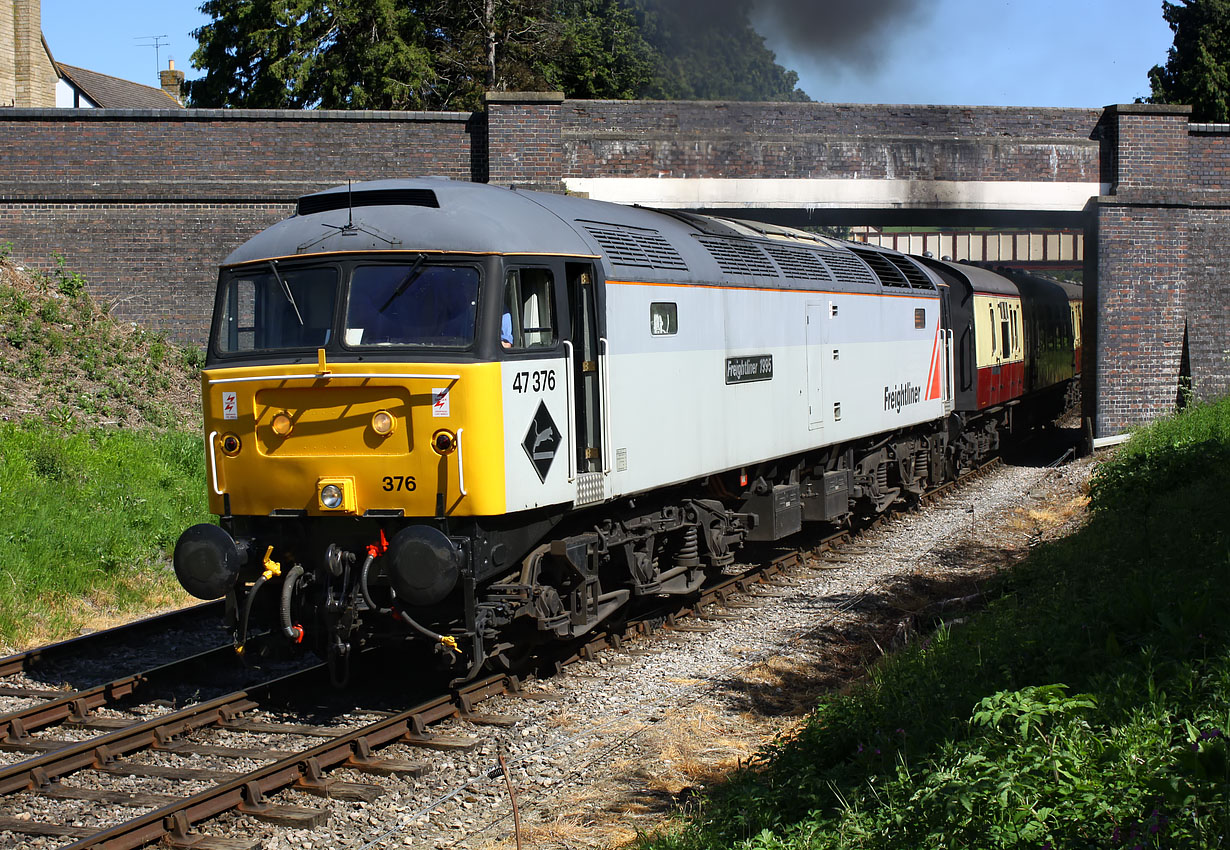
[
  {"x": 437, "y": 214},
  {"x": 471, "y": 217}
]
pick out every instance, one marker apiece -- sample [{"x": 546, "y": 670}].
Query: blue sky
[{"x": 987, "y": 52}]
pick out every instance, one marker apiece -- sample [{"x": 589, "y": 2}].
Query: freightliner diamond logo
[{"x": 541, "y": 441}]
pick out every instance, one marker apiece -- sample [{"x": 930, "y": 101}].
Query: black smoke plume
[{"x": 842, "y": 33}]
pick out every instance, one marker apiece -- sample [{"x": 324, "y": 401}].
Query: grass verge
[
  {"x": 1088, "y": 707},
  {"x": 88, "y": 524}
]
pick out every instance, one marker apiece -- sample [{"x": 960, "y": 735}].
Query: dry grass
[{"x": 104, "y": 607}]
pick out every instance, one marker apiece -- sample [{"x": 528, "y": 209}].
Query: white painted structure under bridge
[{"x": 1039, "y": 249}]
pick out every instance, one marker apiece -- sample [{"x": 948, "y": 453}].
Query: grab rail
[{"x": 572, "y": 414}]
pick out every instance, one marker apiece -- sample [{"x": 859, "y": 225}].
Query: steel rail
[
  {"x": 349, "y": 748},
  {"x": 30, "y": 773}
]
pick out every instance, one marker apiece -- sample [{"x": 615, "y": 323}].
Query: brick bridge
[{"x": 145, "y": 204}]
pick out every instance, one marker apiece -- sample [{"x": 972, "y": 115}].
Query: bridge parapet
[{"x": 145, "y": 204}]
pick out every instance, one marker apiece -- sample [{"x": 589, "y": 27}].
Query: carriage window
[
  {"x": 528, "y": 319},
  {"x": 414, "y": 304},
  {"x": 268, "y": 308},
  {"x": 663, "y": 318},
  {"x": 1005, "y": 340}
]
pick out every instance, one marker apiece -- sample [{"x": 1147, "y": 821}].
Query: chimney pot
[{"x": 172, "y": 81}]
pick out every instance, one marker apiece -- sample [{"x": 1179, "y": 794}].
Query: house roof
[{"x": 113, "y": 93}]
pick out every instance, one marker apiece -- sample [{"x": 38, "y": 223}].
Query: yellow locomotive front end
[
  {"x": 354, "y": 440},
  {"x": 354, "y": 451}
]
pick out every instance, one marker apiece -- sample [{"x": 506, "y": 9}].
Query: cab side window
[{"x": 528, "y": 318}]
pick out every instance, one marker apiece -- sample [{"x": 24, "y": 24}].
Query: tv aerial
[{"x": 156, "y": 42}]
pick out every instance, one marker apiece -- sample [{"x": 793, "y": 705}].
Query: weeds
[
  {"x": 58, "y": 348},
  {"x": 70, "y": 283},
  {"x": 1088, "y": 707},
  {"x": 89, "y": 514}
]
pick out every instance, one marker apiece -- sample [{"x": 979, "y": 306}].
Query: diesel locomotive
[{"x": 480, "y": 418}]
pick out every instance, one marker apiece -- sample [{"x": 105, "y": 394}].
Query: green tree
[
  {"x": 443, "y": 54},
  {"x": 711, "y": 52},
  {"x": 601, "y": 54},
  {"x": 481, "y": 45},
  {"x": 294, "y": 54},
  {"x": 1197, "y": 69}
]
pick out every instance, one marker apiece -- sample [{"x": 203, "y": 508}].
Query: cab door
[
  {"x": 536, "y": 376},
  {"x": 588, "y": 354}
]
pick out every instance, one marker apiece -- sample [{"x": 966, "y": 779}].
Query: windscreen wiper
[
  {"x": 411, "y": 277},
  {"x": 286, "y": 290}
]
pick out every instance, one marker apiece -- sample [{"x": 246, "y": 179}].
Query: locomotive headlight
[
  {"x": 336, "y": 494},
  {"x": 282, "y": 424},
  {"x": 383, "y": 423}
]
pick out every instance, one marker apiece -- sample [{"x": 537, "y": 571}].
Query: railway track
[
  {"x": 85, "y": 673},
  {"x": 71, "y": 744}
]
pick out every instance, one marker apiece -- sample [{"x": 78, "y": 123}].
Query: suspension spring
[{"x": 689, "y": 554}]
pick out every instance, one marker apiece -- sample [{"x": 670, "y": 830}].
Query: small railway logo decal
[
  {"x": 439, "y": 402},
  {"x": 541, "y": 441}
]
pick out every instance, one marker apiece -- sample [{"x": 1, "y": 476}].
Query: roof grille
[
  {"x": 888, "y": 273},
  {"x": 798, "y": 263},
  {"x": 912, "y": 272},
  {"x": 743, "y": 258},
  {"x": 640, "y": 248},
  {"x": 326, "y": 201},
  {"x": 846, "y": 268}
]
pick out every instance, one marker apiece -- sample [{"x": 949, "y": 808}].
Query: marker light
[
  {"x": 282, "y": 424},
  {"x": 230, "y": 444},
  {"x": 331, "y": 496},
  {"x": 383, "y": 423},
  {"x": 444, "y": 442}
]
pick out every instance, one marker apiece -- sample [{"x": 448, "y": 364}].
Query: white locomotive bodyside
[{"x": 704, "y": 372}]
